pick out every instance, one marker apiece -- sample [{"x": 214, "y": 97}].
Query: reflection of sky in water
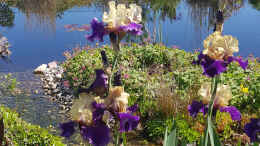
[{"x": 35, "y": 45}]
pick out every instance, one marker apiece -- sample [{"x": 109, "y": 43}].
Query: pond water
[{"x": 36, "y": 30}]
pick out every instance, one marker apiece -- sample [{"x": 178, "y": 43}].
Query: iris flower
[
  {"x": 121, "y": 16},
  {"x": 97, "y": 135},
  {"x": 218, "y": 54},
  {"x": 67, "y": 129},
  {"x": 223, "y": 94},
  {"x": 252, "y": 129},
  {"x": 128, "y": 121},
  {"x": 117, "y": 99},
  {"x": 98, "y": 30},
  {"x": 99, "y": 86},
  {"x": 197, "y": 107}
]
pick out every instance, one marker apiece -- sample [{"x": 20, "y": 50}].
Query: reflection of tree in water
[
  {"x": 6, "y": 15},
  {"x": 255, "y": 4},
  {"x": 43, "y": 13},
  {"x": 166, "y": 8},
  {"x": 203, "y": 12}
]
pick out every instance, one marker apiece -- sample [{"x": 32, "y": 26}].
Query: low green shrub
[{"x": 21, "y": 133}]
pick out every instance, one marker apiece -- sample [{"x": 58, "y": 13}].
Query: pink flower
[
  {"x": 75, "y": 78},
  {"x": 66, "y": 83},
  {"x": 126, "y": 76},
  {"x": 83, "y": 67}
]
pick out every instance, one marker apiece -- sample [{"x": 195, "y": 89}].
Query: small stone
[
  {"x": 40, "y": 69},
  {"x": 58, "y": 76},
  {"x": 52, "y": 65}
]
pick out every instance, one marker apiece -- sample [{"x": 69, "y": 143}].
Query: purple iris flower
[
  {"x": 210, "y": 66},
  {"x": 99, "y": 86},
  {"x": 233, "y": 111},
  {"x": 195, "y": 108},
  {"x": 97, "y": 135},
  {"x": 133, "y": 28},
  {"x": 213, "y": 67},
  {"x": 252, "y": 129},
  {"x": 98, "y": 30},
  {"x": 128, "y": 122},
  {"x": 98, "y": 111},
  {"x": 133, "y": 108},
  {"x": 67, "y": 129},
  {"x": 243, "y": 64}
]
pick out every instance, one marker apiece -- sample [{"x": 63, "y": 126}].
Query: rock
[
  {"x": 53, "y": 65},
  {"x": 58, "y": 76},
  {"x": 40, "y": 69}
]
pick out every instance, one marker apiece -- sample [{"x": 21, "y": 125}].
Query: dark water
[{"x": 36, "y": 28}]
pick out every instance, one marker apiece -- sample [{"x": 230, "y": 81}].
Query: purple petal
[
  {"x": 67, "y": 129},
  {"x": 195, "y": 108},
  {"x": 128, "y": 122},
  {"x": 252, "y": 129},
  {"x": 98, "y": 30},
  {"x": 100, "y": 82},
  {"x": 215, "y": 68},
  {"x": 243, "y": 64},
  {"x": 97, "y": 135},
  {"x": 98, "y": 111},
  {"x": 133, "y": 28},
  {"x": 133, "y": 108},
  {"x": 233, "y": 111},
  {"x": 210, "y": 66}
]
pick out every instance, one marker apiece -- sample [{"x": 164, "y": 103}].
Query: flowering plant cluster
[
  {"x": 93, "y": 113},
  {"x": 218, "y": 54}
]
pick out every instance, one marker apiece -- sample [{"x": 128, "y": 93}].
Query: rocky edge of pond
[
  {"x": 4, "y": 45},
  {"x": 52, "y": 84}
]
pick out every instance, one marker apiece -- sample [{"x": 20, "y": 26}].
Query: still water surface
[{"x": 36, "y": 30}]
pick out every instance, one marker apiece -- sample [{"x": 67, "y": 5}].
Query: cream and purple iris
[
  {"x": 119, "y": 20},
  {"x": 223, "y": 95},
  {"x": 218, "y": 54},
  {"x": 89, "y": 114},
  {"x": 252, "y": 130}
]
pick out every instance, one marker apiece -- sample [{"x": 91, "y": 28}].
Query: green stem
[
  {"x": 124, "y": 138},
  {"x": 214, "y": 84},
  {"x": 112, "y": 71}
]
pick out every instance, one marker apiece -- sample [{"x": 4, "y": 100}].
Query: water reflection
[
  {"x": 255, "y": 4},
  {"x": 203, "y": 12},
  {"x": 6, "y": 15},
  {"x": 40, "y": 13}
]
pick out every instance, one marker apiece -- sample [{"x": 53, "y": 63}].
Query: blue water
[{"x": 35, "y": 42}]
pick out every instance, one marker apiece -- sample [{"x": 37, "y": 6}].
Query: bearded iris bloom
[
  {"x": 128, "y": 121},
  {"x": 98, "y": 30},
  {"x": 252, "y": 129},
  {"x": 99, "y": 86},
  {"x": 117, "y": 22},
  {"x": 233, "y": 111},
  {"x": 68, "y": 128},
  {"x": 197, "y": 107},
  {"x": 218, "y": 54},
  {"x": 97, "y": 134}
]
